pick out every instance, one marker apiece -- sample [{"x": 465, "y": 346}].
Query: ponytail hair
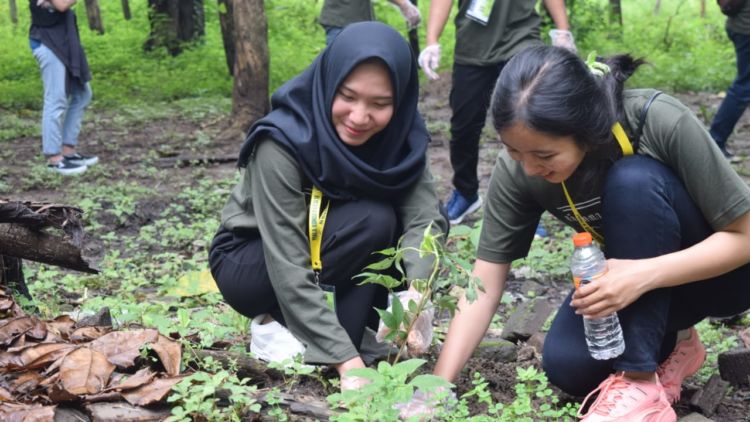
[{"x": 551, "y": 90}]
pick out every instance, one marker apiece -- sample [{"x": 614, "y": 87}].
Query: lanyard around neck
[
  {"x": 316, "y": 222},
  {"x": 627, "y": 149}
]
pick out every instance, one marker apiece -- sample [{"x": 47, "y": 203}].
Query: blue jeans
[
  {"x": 738, "y": 94},
  {"x": 62, "y": 113},
  {"x": 647, "y": 212}
]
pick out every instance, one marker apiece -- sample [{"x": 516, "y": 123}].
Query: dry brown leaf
[
  {"x": 14, "y": 327},
  {"x": 170, "y": 354},
  {"x": 38, "y": 331},
  {"x": 6, "y": 303},
  {"x": 26, "y": 382},
  {"x": 143, "y": 376},
  {"x": 85, "y": 371},
  {"x": 154, "y": 392},
  {"x": 123, "y": 347},
  {"x": 84, "y": 334},
  {"x": 56, "y": 393},
  {"x": 745, "y": 337},
  {"x": 16, "y": 412},
  {"x": 33, "y": 356},
  {"x": 61, "y": 326},
  {"x": 5, "y": 395}
]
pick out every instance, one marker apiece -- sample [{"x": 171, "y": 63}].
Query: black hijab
[{"x": 390, "y": 162}]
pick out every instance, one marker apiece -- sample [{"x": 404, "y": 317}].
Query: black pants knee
[
  {"x": 353, "y": 231},
  {"x": 647, "y": 212}
]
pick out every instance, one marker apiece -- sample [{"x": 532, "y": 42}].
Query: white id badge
[{"x": 479, "y": 10}]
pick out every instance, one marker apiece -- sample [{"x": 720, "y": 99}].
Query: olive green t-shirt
[
  {"x": 740, "y": 23},
  {"x": 671, "y": 134},
  {"x": 512, "y": 26},
  {"x": 343, "y": 12},
  {"x": 273, "y": 197}
]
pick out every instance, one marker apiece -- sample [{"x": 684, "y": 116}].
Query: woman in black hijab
[{"x": 346, "y": 128}]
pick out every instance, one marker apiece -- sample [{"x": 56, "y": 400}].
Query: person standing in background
[
  {"x": 485, "y": 40},
  {"x": 55, "y": 43},
  {"x": 738, "y": 94},
  {"x": 336, "y": 14}
]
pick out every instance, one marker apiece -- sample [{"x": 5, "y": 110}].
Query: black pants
[
  {"x": 469, "y": 99},
  {"x": 647, "y": 212},
  {"x": 353, "y": 231}
]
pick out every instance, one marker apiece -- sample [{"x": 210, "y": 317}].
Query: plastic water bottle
[{"x": 603, "y": 335}]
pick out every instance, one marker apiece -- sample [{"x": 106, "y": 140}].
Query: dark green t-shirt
[
  {"x": 343, "y": 12},
  {"x": 512, "y": 26},
  {"x": 272, "y": 198},
  {"x": 672, "y": 135},
  {"x": 740, "y": 22}
]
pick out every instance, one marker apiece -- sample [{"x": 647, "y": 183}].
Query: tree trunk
[
  {"x": 126, "y": 9},
  {"x": 703, "y": 8},
  {"x": 615, "y": 10},
  {"x": 250, "y": 93},
  {"x": 19, "y": 241},
  {"x": 94, "y": 16},
  {"x": 657, "y": 7},
  {"x": 174, "y": 23},
  {"x": 13, "y": 11},
  {"x": 226, "y": 19}
]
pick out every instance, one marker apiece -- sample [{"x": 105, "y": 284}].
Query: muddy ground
[{"x": 156, "y": 142}]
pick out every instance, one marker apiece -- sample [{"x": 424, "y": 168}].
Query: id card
[{"x": 479, "y": 11}]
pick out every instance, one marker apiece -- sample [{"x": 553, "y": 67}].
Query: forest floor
[{"x": 128, "y": 150}]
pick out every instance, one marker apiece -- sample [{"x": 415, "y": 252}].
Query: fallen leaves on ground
[{"x": 45, "y": 363}]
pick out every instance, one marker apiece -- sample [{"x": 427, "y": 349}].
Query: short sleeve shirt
[
  {"x": 671, "y": 135},
  {"x": 512, "y": 26}
]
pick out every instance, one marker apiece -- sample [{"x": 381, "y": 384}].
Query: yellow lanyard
[
  {"x": 316, "y": 222},
  {"x": 627, "y": 149}
]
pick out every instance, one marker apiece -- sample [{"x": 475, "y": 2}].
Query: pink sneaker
[
  {"x": 685, "y": 360},
  {"x": 621, "y": 399}
]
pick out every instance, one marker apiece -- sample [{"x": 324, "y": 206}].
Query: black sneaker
[
  {"x": 82, "y": 160},
  {"x": 66, "y": 168}
]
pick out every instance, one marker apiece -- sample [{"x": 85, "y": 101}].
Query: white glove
[
  {"x": 563, "y": 38},
  {"x": 411, "y": 14},
  {"x": 420, "y": 337},
  {"x": 429, "y": 60},
  {"x": 350, "y": 382},
  {"x": 423, "y": 404}
]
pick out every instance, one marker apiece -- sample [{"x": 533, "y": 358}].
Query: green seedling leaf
[
  {"x": 429, "y": 382},
  {"x": 381, "y": 265},
  {"x": 388, "y": 319}
]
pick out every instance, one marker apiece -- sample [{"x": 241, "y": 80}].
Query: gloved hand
[
  {"x": 429, "y": 60},
  {"x": 420, "y": 337},
  {"x": 350, "y": 382},
  {"x": 410, "y": 13},
  {"x": 423, "y": 404},
  {"x": 563, "y": 38}
]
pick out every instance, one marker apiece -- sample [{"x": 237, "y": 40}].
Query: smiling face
[
  {"x": 553, "y": 158},
  {"x": 363, "y": 104}
]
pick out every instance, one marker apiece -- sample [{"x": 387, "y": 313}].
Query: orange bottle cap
[{"x": 582, "y": 239}]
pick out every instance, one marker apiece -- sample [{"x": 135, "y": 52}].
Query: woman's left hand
[{"x": 624, "y": 282}]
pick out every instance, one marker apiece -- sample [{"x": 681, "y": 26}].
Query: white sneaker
[{"x": 272, "y": 342}]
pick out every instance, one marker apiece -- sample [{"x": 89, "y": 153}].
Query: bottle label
[{"x": 577, "y": 281}]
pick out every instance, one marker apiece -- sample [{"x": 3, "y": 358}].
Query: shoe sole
[
  {"x": 73, "y": 172},
  {"x": 89, "y": 162},
  {"x": 473, "y": 207}
]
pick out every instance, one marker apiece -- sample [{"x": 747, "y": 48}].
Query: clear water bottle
[{"x": 603, "y": 335}]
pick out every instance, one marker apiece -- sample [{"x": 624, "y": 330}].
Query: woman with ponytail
[{"x": 639, "y": 172}]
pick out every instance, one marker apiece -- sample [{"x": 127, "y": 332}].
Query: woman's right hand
[{"x": 350, "y": 382}]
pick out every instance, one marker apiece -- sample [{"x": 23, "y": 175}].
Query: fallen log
[
  {"x": 247, "y": 367},
  {"x": 21, "y": 242}
]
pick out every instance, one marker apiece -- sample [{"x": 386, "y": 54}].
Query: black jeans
[
  {"x": 647, "y": 212},
  {"x": 469, "y": 100},
  {"x": 353, "y": 231}
]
